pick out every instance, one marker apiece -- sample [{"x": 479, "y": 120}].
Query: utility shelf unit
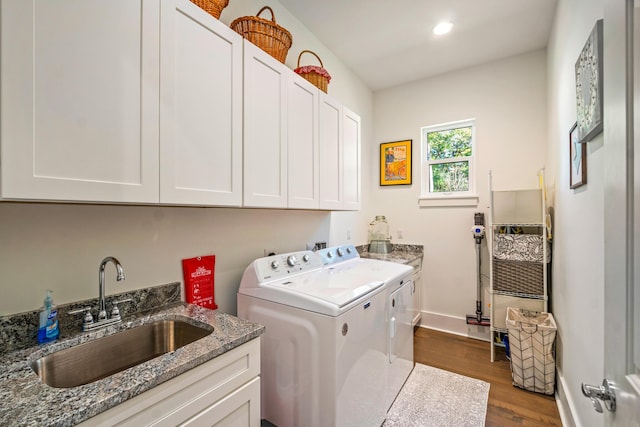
[{"x": 519, "y": 255}]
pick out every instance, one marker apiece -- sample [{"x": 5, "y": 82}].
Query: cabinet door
[
  {"x": 222, "y": 390},
  {"x": 201, "y": 108},
  {"x": 79, "y": 105},
  {"x": 239, "y": 409},
  {"x": 351, "y": 163},
  {"x": 265, "y": 129},
  {"x": 331, "y": 169},
  {"x": 417, "y": 298},
  {"x": 303, "y": 175}
]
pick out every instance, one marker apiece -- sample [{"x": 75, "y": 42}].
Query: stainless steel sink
[{"x": 94, "y": 360}]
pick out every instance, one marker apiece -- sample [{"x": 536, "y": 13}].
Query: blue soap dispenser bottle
[{"x": 48, "y": 325}]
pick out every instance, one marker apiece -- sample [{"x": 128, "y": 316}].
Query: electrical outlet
[
  {"x": 400, "y": 233},
  {"x": 269, "y": 252},
  {"x": 348, "y": 234}
]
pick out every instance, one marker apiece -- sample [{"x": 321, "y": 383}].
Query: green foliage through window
[
  {"x": 449, "y": 144},
  {"x": 448, "y": 177},
  {"x": 449, "y": 154}
]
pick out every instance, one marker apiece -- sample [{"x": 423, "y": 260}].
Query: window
[{"x": 448, "y": 152}]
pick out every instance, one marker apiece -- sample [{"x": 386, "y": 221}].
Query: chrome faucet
[
  {"x": 103, "y": 320},
  {"x": 102, "y": 310}
]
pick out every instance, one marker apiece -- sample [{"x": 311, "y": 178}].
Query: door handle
[{"x": 597, "y": 393}]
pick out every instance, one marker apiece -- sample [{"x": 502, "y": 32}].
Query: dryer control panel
[
  {"x": 337, "y": 254},
  {"x": 282, "y": 265}
]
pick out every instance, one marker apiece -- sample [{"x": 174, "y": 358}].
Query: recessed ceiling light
[{"x": 442, "y": 28}]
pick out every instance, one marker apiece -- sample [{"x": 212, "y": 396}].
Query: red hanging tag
[{"x": 198, "y": 280}]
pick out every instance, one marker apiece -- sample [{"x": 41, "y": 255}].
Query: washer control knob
[
  {"x": 291, "y": 260},
  {"x": 306, "y": 258},
  {"x": 339, "y": 251},
  {"x": 329, "y": 254},
  {"x": 274, "y": 264},
  {"x": 348, "y": 250}
]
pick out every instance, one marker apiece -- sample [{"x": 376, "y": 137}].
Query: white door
[{"x": 622, "y": 232}]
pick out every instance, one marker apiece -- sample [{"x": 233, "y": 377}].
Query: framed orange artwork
[{"x": 395, "y": 163}]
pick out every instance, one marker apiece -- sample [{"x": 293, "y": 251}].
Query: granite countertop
[
  {"x": 400, "y": 253},
  {"x": 27, "y": 401}
]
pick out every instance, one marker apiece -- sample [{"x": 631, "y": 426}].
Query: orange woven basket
[
  {"x": 317, "y": 76},
  {"x": 212, "y": 7},
  {"x": 264, "y": 33}
]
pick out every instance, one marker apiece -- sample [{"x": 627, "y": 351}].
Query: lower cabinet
[
  {"x": 417, "y": 290},
  {"x": 222, "y": 392}
]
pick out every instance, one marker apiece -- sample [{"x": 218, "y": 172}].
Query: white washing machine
[{"x": 338, "y": 344}]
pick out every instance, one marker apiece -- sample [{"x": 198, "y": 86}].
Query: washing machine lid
[{"x": 330, "y": 290}]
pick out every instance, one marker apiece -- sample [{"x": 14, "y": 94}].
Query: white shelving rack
[{"x": 518, "y": 276}]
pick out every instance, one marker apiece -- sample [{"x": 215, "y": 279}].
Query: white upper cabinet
[
  {"x": 351, "y": 163},
  {"x": 201, "y": 108},
  {"x": 331, "y": 170},
  {"x": 340, "y": 147},
  {"x": 79, "y": 100},
  {"x": 150, "y": 101},
  {"x": 303, "y": 164},
  {"x": 265, "y": 129}
]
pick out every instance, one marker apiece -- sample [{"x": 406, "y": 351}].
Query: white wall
[
  {"x": 578, "y": 269},
  {"x": 59, "y": 247},
  {"x": 508, "y": 100}
]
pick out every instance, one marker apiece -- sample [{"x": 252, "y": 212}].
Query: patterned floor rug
[{"x": 432, "y": 397}]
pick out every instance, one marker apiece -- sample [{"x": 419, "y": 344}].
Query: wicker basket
[
  {"x": 212, "y": 7},
  {"x": 267, "y": 35},
  {"x": 519, "y": 277},
  {"x": 317, "y": 76}
]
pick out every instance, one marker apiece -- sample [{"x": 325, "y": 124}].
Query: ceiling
[{"x": 387, "y": 43}]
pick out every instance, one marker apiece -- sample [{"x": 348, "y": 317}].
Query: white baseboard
[
  {"x": 564, "y": 402},
  {"x": 454, "y": 325}
]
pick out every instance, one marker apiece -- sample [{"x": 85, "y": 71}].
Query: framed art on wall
[
  {"x": 589, "y": 86},
  {"x": 395, "y": 163},
  {"x": 577, "y": 159}
]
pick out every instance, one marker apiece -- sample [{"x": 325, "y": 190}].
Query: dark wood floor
[{"x": 508, "y": 405}]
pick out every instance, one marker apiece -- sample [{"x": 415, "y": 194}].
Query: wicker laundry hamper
[
  {"x": 264, "y": 33},
  {"x": 317, "y": 76},
  {"x": 212, "y": 7}
]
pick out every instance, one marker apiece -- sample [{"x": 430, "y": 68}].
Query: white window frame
[{"x": 454, "y": 198}]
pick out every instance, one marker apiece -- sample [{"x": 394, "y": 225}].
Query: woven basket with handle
[
  {"x": 317, "y": 76},
  {"x": 212, "y": 7},
  {"x": 264, "y": 33}
]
